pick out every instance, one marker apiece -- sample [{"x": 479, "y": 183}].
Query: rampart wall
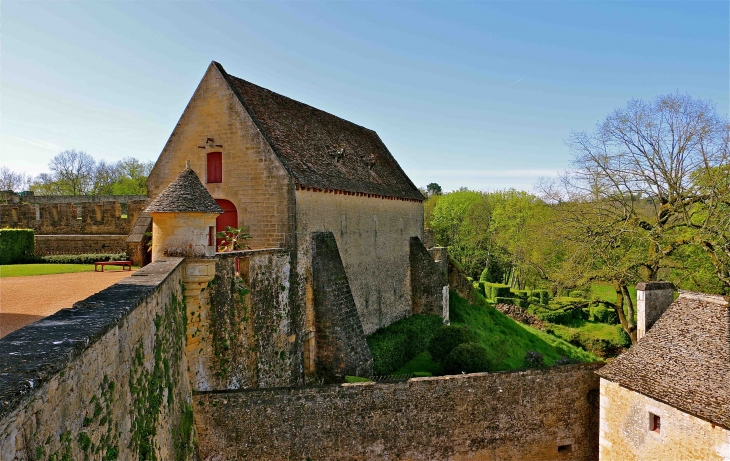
[
  {"x": 104, "y": 379},
  {"x": 73, "y": 224},
  {"x": 549, "y": 414}
]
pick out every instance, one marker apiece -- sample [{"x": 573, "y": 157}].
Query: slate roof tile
[
  {"x": 185, "y": 194},
  {"x": 321, "y": 150},
  {"x": 684, "y": 359}
]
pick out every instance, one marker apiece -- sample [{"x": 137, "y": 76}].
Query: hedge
[
  {"x": 446, "y": 339},
  {"x": 76, "y": 259},
  {"x": 16, "y": 245},
  {"x": 395, "y": 345},
  {"x": 467, "y": 358}
]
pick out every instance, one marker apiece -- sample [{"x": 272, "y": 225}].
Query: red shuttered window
[{"x": 215, "y": 167}]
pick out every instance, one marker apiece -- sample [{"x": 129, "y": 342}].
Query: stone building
[
  {"x": 668, "y": 397},
  {"x": 286, "y": 171}
]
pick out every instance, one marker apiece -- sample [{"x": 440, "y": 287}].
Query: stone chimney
[{"x": 652, "y": 299}]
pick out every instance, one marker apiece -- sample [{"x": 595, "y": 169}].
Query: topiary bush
[
  {"x": 599, "y": 313},
  {"x": 468, "y": 357},
  {"x": 446, "y": 339},
  {"x": 396, "y": 344},
  {"x": 16, "y": 245},
  {"x": 501, "y": 300}
]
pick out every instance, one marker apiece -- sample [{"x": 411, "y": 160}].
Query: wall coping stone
[
  {"x": 34, "y": 354},
  {"x": 536, "y": 372}
]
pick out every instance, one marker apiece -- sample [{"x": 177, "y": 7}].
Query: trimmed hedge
[
  {"x": 395, "y": 345},
  {"x": 602, "y": 314},
  {"x": 76, "y": 259},
  {"x": 16, "y": 244},
  {"x": 446, "y": 339},
  {"x": 468, "y": 358}
]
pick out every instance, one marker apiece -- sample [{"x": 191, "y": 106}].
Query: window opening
[
  {"x": 98, "y": 212},
  {"x": 565, "y": 448},
  {"x": 123, "y": 205},
  {"x": 655, "y": 423},
  {"x": 215, "y": 167},
  {"x": 79, "y": 212},
  {"x": 211, "y": 236}
]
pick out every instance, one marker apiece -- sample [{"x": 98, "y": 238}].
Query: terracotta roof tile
[
  {"x": 185, "y": 194},
  {"x": 684, "y": 359},
  {"x": 321, "y": 150}
]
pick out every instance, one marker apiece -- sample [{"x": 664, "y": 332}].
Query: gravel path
[{"x": 24, "y": 300}]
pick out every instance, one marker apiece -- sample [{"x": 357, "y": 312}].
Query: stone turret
[
  {"x": 183, "y": 224},
  {"x": 183, "y": 219}
]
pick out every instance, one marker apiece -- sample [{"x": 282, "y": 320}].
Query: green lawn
[
  {"x": 606, "y": 292},
  {"x": 421, "y": 362},
  {"x": 20, "y": 270},
  {"x": 506, "y": 340},
  {"x": 601, "y": 339}
]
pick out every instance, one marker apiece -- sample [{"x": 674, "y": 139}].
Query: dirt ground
[{"x": 24, "y": 300}]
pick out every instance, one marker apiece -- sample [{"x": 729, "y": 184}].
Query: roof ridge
[{"x": 719, "y": 299}]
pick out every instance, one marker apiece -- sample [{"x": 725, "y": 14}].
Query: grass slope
[
  {"x": 21, "y": 270},
  {"x": 606, "y": 292},
  {"x": 506, "y": 340}
]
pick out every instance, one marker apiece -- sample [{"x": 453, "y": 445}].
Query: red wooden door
[{"x": 228, "y": 218}]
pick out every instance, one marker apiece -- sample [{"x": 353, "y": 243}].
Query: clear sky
[{"x": 474, "y": 94}]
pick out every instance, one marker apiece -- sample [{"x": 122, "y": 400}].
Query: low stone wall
[
  {"x": 549, "y": 414},
  {"x": 104, "y": 379},
  {"x": 79, "y": 244}
]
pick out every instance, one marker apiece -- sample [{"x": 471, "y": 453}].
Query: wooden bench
[{"x": 112, "y": 263}]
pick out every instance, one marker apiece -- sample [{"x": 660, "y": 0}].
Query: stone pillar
[
  {"x": 652, "y": 299},
  {"x": 197, "y": 273}
]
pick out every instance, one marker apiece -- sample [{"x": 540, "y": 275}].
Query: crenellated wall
[
  {"x": 104, "y": 379},
  {"x": 549, "y": 414}
]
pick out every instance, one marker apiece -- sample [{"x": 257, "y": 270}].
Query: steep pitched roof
[
  {"x": 684, "y": 359},
  {"x": 321, "y": 150},
  {"x": 185, "y": 194}
]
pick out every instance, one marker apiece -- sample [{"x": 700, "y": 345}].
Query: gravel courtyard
[{"x": 24, "y": 300}]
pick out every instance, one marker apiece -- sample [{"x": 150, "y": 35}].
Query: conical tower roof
[{"x": 185, "y": 194}]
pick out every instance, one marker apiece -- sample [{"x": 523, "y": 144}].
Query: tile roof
[
  {"x": 321, "y": 150},
  {"x": 684, "y": 359},
  {"x": 185, "y": 194}
]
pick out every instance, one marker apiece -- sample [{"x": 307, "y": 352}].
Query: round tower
[{"x": 183, "y": 219}]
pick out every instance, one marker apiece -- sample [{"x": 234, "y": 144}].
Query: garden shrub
[
  {"x": 77, "y": 259},
  {"x": 578, "y": 294},
  {"x": 533, "y": 359},
  {"x": 16, "y": 245},
  {"x": 599, "y": 313},
  {"x": 446, "y": 339},
  {"x": 422, "y": 374},
  {"x": 512, "y": 301},
  {"x": 522, "y": 294},
  {"x": 468, "y": 357},
  {"x": 543, "y": 295},
  {"x": 396, "y": 344},
  {"x": 485, "y": 276}
]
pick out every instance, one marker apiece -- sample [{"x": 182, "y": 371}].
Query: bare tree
[
  {"x": 645, "y": 183},
  {"x": 10, "y": 180},
  {"x": 74, "y": 171}
]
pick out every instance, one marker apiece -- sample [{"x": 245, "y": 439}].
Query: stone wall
[
  {"x": 429, "y": 279},
  {"x": 72, "y": 215},
  {"x": 341, "y": 348},
  {"x": 104, "y": 379},
  {"x": 253, "y": 178},
  {"x": 79, "y": 244},
  {"x": 249, "y": 337},
  {"x": 549, "y": 414},
  {"x": 626, "y": 435},
  {"x": 373, "y": 237}
]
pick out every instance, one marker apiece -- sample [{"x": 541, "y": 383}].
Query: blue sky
[{"x": 473, "y": 94}]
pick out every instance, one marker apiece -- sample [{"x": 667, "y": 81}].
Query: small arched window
[{"x": 215, "y": 167}]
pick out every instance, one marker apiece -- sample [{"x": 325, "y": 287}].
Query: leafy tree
[
  {"x": 74, "y": 172},
  {"x": 433, "y": 189}
]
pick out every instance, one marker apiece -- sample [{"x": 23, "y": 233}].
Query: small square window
[
  {"x": 655, "y": 423},
  {"x": 565, "y": 448}
]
